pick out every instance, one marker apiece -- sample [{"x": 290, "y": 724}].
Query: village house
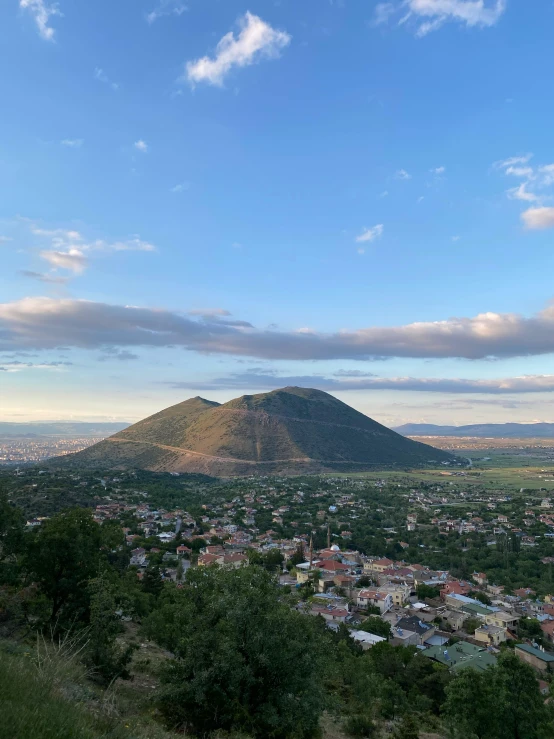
[
  {"x": 502, "y": 619},
  {"x": 490, "y": 635},
  {"x": 377, "y": 565},
  {"x": 423, "y": 631},
  {"x": 537, "y": 658},
  {"x": 377, "y": 598}
]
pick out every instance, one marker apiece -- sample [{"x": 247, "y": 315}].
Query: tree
[
  {"x": 152, "y": 582},
  {"x": 244, "y": 660},
  {"x": 530, "y": 628},
  {"x": 470, "y": 704},
  {"x": 377, "y": 626},
  {"x": 521, "y": 705},
  {"x": 104, "y": 654},
  {"x": 60, "y": 558},
  {"x": 427, "y": 591},
  {"x": 470, "y": 624},
  {"x": 483, "y": 597},
  {"x": 11, "y": 540},
  {"x": 505, "y": 702}
]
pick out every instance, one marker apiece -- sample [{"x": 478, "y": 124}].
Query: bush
[{"x": 360, "y": 725}]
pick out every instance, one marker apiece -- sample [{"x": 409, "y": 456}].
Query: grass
[
  {"x": 46, "y": 693},
  {"x": 33, "y": 707}
]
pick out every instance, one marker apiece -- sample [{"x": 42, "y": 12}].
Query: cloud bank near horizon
[
  {"x": 262, "y": 379},
  {"x": 44, "y": 323}
]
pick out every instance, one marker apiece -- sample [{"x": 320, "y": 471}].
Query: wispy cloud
[
  {"x": 21, "y": 366},
  {"x": 424, "y": 16},
  {"x": 101, "y": 76},
  {"x": 42, "y": 12},
  {"x": 370, "y": 234},
  {"x": 42, "y": 277},
  {"x": 181, "y": 187},
  {"x": 383, "y": 13},
  {"x": 72, "y": 143},
  {"x": 166, "y": 7},
  {"x": 438, "y": 170},
  {"x": 141, "y": 146},
  {"x": 120, "y": 355},
  {"x": 44, "y": 323},
  {"x": 259, "y": 379},
  {"x": 401, "y": 174},
  {"x": 256, "y": 40},
  {"x": 540, "y": 178},
  {"x": 67, "y": 249},
  {"x": 73, "y": 260}
]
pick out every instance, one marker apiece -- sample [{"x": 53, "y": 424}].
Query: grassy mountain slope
[{"x": 293, "y": 429}]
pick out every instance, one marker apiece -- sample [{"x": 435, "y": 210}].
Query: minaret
[{"x": 311, "y": 551}]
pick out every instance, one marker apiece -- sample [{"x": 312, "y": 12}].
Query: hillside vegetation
[{"x": 288, "y": 430}]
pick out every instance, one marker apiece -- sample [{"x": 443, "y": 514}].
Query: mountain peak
[{"x": 288, "y": 430}]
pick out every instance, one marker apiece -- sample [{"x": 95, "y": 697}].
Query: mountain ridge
[
  {"x": 283, "y": 431},
  {"x": 494, "y": 430}
]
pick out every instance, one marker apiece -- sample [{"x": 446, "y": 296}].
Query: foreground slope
[{"x": 284, "y": 431}]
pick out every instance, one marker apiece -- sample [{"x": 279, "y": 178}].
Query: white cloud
[
  {"x": 166, "y": 7},
  {"x": 513, "y": 161},
  {"x": 361, "y": 250},
  {"x": 455, "y": 238},
  {"x": 369, "y": 234},
  {"x": 141, "y": 145},
  {"x": 101, "y": 76},
  {"x": 401, "y": 174},
  {"x": 470, "y": 12},
  {"x": 256, "y": 40},
  {"x": 540, "y": 178},
  {"x": 521, "y": 193},
  {"x": 5, "y": 239},
  {"x": 69, "y": 250},
  {"x": 42, "y": 12},
  {"x": 538, "y": 218},
  {"x": 438, "y": 170},
  {"x": 72, "y": 143},
  {"x": 72, "y": 260},
  {"x": 429, "y": 15},
  {"x": 134, "y": 244}
]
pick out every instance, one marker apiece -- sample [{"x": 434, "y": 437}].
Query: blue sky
[{"x": 222, "y": 197}]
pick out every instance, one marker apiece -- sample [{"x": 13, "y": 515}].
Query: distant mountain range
[
  {"x": 493, "y": 430},
  {"x": 286, "y": 431},
  {"x": 60, "y": 428}
]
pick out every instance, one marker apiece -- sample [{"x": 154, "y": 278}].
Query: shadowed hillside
[{"x": 286, "y": 431}]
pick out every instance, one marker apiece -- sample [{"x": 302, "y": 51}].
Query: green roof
[
  {"x": 538, "y": 653},
  {"x": 474, "y": 608},
  {"x": 461, "y": 655}
]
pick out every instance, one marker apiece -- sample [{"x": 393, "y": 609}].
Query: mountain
[
  {"x": 60, "y": 428},
  {"x": 286, "y": 431},
  {"x": 494, "y": 430}
]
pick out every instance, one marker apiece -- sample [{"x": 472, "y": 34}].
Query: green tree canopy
[
  {"x": 376, "y": 625},
  {"x": 244, "y": 660},
  {"x": 61, "y": 557}
]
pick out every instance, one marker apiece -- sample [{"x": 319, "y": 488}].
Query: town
[{"x": 457, "y": 571}]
